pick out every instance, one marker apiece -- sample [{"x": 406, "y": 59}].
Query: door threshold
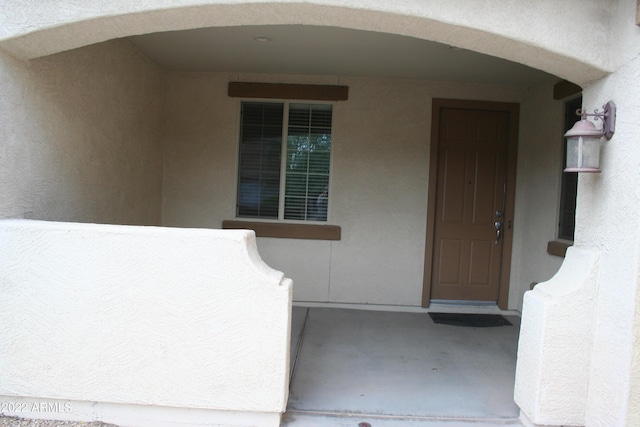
[
  {"x": 436, "y": 306},
  {"x": 468, "y": 307},
  {"x": 470, "y": 303}
]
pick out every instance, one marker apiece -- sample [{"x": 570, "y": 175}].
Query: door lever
[{"x": 498, "y": 225}]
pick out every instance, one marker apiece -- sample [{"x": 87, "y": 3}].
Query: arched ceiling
[
  {"x": 315, "y": 50},
  {"x": 532, "y": 33}
]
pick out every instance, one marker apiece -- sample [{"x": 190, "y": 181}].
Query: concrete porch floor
[{"x": 355, "y": 368}]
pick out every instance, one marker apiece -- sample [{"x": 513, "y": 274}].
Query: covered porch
[
  {"x": 99, "y": 127},
  {"x": 388, "y": 368}
]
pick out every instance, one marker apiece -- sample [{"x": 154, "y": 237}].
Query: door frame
[{"x": 513, "y": 109}]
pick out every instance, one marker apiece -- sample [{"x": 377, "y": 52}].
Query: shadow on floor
[{"x": 353, "y": 367}]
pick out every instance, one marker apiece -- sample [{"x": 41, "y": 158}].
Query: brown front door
[{"x": 472, "y": 209}]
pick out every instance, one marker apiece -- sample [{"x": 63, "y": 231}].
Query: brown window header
[
  {"x": 288, "y": 91},
  {"x": 565, "y": 89}
]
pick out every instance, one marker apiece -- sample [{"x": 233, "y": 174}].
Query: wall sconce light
[{"x": 583, "y": 139}]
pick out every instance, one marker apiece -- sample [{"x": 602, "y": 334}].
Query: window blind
[
  {"x": 305, "y": 166},
  {"x": 260, "y": 158},
  {"x": 308, "y": 158}
]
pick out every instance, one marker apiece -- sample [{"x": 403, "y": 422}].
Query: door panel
[
  {"x": 470, "y": 193},
  {"x": 449, "y": 266},
  {"x": 480, "y": 262},
  {"x": 453, "y": 187}
]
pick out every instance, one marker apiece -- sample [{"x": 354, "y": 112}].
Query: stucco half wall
[
  {"x": 142, "y": 326},
  {"x": 556, "y": 341}
]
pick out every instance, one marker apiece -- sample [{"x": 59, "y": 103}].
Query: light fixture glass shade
[
  {"x": 583, "y": 147},
  {"x": 583, "y": 154}
]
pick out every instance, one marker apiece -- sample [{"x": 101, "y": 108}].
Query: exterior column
[{"x": 579, "y": 354}]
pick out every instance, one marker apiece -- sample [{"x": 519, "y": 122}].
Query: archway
[{"x": 538, "y": 38}]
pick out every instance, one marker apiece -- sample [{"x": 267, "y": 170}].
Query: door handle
[{"x": 498, "y": 225}]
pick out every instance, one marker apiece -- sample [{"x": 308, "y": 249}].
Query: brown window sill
[
  {"x": 287, "y": 231},
  {"x": 558, "y": 248}
]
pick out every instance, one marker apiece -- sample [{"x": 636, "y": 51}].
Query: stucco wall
[
  {"x": 160, "y": 319},
  {"x": 607, "y": 215},
  {"x": 551, "y": 387},
  {"x": 83, "y": 130},
  {"x": 83, "y": 135},
  {"x": 380, "y": 165},
  {"x": 607, "y": 225},
  {"x": 79, "y": 136},
  {"x": 633, "y": 408},
  {"x": 533, "y": 33},
  {"x": 538, "y": 191}
]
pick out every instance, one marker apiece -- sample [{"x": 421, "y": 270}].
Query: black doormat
[{"x": 473, "y": 320}]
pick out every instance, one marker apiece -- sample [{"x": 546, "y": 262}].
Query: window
[
  {"x": 285, "y": 152},
  {"x": 569, "y": 189}
]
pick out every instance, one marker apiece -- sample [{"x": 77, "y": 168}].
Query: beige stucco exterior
[
  {"x": 392, "y": 135},
  {"x": 132, "y": 317},
  {"x": 80, "y": 137},
  {"x": 181, "y": 170},
  {"x": 102, "y": 134},
  {"x": 503, "y": 30}
]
